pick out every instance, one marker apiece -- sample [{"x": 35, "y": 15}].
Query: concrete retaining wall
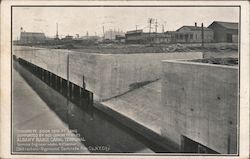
[
  {"x": 53, "y": 60},
  {"x": 200, "y": 103},
  {"x": 106, "y": 75}
]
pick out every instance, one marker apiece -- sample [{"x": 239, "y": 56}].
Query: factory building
[
  {"x": 32, "y": 38},
  {"x": 225, "y": 31},
  {"x": 162, "y": 38},
  {"x": 120, "y": 38},
  {"x": 111, "y": 34},
  {"x": 140, "y": 37},
  {"x": 185, "y": 34},
  {"x": 136, "y": 36}
]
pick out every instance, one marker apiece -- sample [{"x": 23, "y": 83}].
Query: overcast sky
[{"x": 79, "y": 20}]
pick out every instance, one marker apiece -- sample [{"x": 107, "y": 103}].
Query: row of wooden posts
[{"x": 71, "y": 91}]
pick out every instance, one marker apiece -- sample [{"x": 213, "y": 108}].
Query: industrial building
[
  {"x": 185, "y": 34},
  {"x": 32, "y": 37},
  {"x": 215, "y": 32},
  {"x": 140, "y": 37},
  {"x": 136, "y": 36},
  {"x": 225, "y": 31},
  {"x": 111, "y": 34},
  {"x": 120, "y": 38}
]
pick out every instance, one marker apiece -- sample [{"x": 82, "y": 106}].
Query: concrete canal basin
[
  {"x": 106, "y": 75},
  {"x": 97, "y": 128},
  {"x": 133, "y": 92}
]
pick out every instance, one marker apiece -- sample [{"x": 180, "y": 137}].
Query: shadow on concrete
[{"x": 102, "y": 133}]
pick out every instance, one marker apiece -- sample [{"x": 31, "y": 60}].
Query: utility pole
[
  {"x": 136, "y": 27},
  {"x": 202, "y": 35},
  {"x": 150, "y": 22},
  {"x": 156, "y": 25},
  {"x": 103, "y": 32},
  {"x": 111, "y": 34},
  {"x": 57, "y": 36},
  {"x": 163, "y": 28}
]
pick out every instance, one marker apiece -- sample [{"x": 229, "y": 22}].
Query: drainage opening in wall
[{"x": 190, "y": 146}]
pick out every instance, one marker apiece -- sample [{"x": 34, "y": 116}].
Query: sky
[{"x": 80, "y": 20}]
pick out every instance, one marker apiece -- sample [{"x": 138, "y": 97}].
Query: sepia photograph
[{"x": 125, "y": 79}]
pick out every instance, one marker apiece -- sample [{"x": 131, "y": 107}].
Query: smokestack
[
  {"x": 195, "y": 24},
  {"x": 202, "y": 35},
  {"x": 57, "y": 36}
]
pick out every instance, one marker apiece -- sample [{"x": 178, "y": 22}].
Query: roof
[
  {"x": 134, "y": 31},
  {"x": 32, "y": 34},
  {"x": 120, "y": 35},
  {"x": 194, "y": 28},
  {"x": 228, "y": 25}
]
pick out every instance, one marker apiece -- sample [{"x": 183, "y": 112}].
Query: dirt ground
[
  {"x": 210, "y": 50},
  {"x": 146, "y": 48},
  {"x": 214, "y": 50}
]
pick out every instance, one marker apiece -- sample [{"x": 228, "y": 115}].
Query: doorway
[{"x": 229, "y": 38}]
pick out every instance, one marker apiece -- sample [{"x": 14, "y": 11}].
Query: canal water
[{"x": 102, "y": 133}]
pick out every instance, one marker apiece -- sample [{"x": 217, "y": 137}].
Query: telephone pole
[
  {"x": 156, "y": 25},
  {"x": 150, "y": 23},
  {"x": 57, "y": 36},
  {"x": 103, "y": 32},
  {"x": 111, "y": 31},
  {"x": 202, "y": 35}
]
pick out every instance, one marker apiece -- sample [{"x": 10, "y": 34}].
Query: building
[
  {"x": 67, "y": 38},
  {"x": 225, "y": 31},
  {"x": 140, "y": 37},
  {"x": 135, "y": 37},
  {"x": 162, "y": 38},
  {"x": 111, "y": 34},
  {"x": 193, "y": 34},
  {"x": 32, "y": 38},
  {"x": 120, "y": 38}
]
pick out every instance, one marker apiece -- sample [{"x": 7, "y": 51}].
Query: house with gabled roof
[
  {"x": 225, "y": 31},
  {"x": 193, "y": 34}
]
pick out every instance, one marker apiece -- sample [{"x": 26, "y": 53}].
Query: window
[
  {"x": 181, "y": 36},
  {"x": 191, "y": 36}
]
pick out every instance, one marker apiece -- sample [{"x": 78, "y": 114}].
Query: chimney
[{"x": 195, "y": 24}]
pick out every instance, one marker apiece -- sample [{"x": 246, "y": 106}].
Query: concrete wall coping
[
  {"x": 96, "y": 53},
  {"x": 200, "y": 64},
  {"x": 126, "y": 54}
]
